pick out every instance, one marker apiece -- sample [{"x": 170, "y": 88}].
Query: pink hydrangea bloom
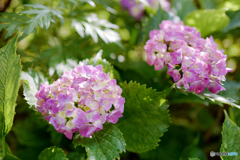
[
  {"x": 136, "y": 8},
  {"x": 192, "y": 61},
  {"x": 81, "y": 100}
]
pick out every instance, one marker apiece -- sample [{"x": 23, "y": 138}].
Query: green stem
[
  {"x": 10, "y": 157},
  {"x": 4, "y": 145},
  {"x": 231, "y": 115},
  {"x": 7, "y": 156}
]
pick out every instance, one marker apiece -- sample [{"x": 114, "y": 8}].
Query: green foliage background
[{"x": 54, "y": 35}]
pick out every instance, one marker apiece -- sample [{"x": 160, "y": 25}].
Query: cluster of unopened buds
[
  {"x": 136, "y": 8},
  {"x": 192, "y": 61},
  {"x": 82, "y": 100}
]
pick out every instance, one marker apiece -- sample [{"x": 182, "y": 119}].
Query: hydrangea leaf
[
  {"x": 207, "y": 21},
  {"x": 60, "y": 68},
  {"x": 31, "y": 83},
  {"x": 154, "y": 21},
  {"x": 10, "y": 69},
  {"x": 182, "y": 7},
  {"x": 145, "y": 117},
  {"x": 76, "y": 155},
  {"x": 208, "y": 4},
  {"x": 230, "y": 138},
  {"x": 211, "y": 96},
  {"x": 107, "y": 67},
  {"x": 172, "y": 145},
  {"x": 235, "y": 115},
  {"x": 105, "y": 144},
  {"x": 234, "y": 20},
  {"x": 192, "y": 151},
  {"x": 193, "y": 159},
  {"x": 31, "y": 132},
  {"x": 232, "y": 90},
  {"x": 218, "y": 98},
  {"x": 52, "y": 153},
  {"x": 166, "y": 92}
]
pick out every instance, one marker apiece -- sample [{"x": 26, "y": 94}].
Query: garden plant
[{"x": 119, "y": 79}]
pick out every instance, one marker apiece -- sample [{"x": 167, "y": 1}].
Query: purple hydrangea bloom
[
  {"x": 81, "y": 100},
  {"x": 194, "y": 62},
  {"x": 136, "y": 8}
]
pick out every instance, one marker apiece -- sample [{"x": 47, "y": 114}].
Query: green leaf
[
  {"x": 183, "y": 97},
  {"x": 193, "y": 159},
  {"x": 43, "y": 16},
  {"x": 107, "y": 67},
  {"x": 8, "y": 155},
  {"x": 208, "y": 4},
  {"x": 218, "y": 98},
  {"x": 105, "y": 144},
  {"x": 61, "y": 67},
  {"x": 93, "y": 26},
  {"x": 234, "y": 20},
  {"x": 12, "y": 22},
  {"x": 182, "y": 7},
  {"x": 32, "y": 132},
  {"x": 145, "y": 117},
  {"x": 232, "y": 90},
  {"x": 230, "y": 138},
  {"x": 5, "y": 153},
  {"x": 31, "y": 84},
  {"x": 212, "y": 97},
  {"x": 154, "y": 21},
  {"x": 207, "y": 21},
  {"x": 172, "y": 145},
  {"x": 52, "y": 153},
  {"x": 192, "y": 151},
  {"x": 76, "y": 156},
  {"x": 166, "y": 92},
  {"x": 235, "y": 115},
  {"x": 205, "y": 119},
  {"x": 10, "y": 68},
  {"x": 231, "y": 5},
  {"x": 56, "y": 137}
]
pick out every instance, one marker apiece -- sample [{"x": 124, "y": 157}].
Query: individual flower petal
[
  {"x": 158, "y": 64},
  {"x": 106, "y": 103},
  {"x": 183, "y": 82},
  {"x": 190, "y": 76},
  {"x": 176, "y": 57},
  {"x": 114, "y": 116},
  {"x": 198, "y": 86},
  {"x": 91, "y": 103},
  {"x": 87, "y": 130},
  {"x": 199, "y": 66},
  {"x": 175, "y": 74},
  {"x": 214, "y": 87},
  {"x": 151, "y": 59}
]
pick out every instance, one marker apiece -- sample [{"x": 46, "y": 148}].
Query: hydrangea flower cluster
[
  {"x": 192, "y": 61},
  {"x": 136, "y": 7},
  {"x": 83, "y": 99}
]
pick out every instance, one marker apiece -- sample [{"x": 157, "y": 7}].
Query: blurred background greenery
[{"x": 196, "y": 123}]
